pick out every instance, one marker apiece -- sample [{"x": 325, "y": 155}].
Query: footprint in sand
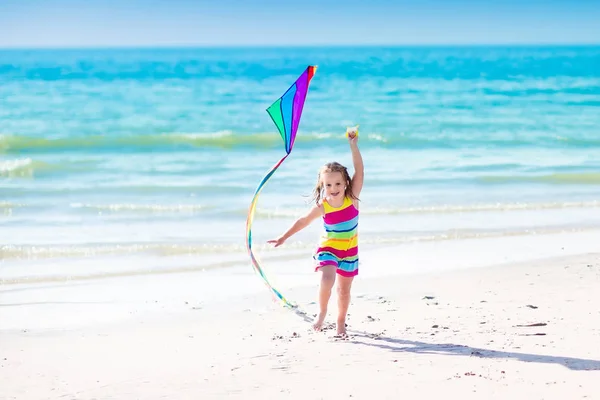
[
  {"x": 340, "y": 337},
  {"x": 294, "y": 335},
  {"x": 429, "y": 302}
]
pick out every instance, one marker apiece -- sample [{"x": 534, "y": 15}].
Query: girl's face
[{"x": 334, "y": 185}]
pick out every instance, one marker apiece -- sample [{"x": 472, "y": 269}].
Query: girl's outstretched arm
[
  {"x": 298, "y": 225},
  {"x": 359, "y": 169}
]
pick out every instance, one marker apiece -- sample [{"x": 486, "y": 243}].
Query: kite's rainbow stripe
[{"x": 285, "y": 113}]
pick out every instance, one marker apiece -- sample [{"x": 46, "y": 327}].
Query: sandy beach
[{"x": 519, "y": 329}]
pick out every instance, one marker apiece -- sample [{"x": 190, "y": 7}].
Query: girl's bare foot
[
  {"x": 341, "y": 328},
  {"x": 317, "y": 326}
]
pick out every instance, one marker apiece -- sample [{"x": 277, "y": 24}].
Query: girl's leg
[
  {"x": 343, "y": 289},
  {"x": 327, "y": 280}
]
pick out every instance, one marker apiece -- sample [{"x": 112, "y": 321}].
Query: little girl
[{"x": 336, "y": 200}]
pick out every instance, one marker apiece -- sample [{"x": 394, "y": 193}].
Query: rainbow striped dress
[{"x": 338, "y": 245}]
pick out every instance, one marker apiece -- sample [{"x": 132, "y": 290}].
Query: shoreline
[{"x": 412, "y": 256}]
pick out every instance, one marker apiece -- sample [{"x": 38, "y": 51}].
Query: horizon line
[{"x": 293, "y": 45}]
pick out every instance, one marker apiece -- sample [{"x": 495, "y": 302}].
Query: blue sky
[{"x": 79, "y": 23}]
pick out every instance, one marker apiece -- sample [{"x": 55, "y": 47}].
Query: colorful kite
[{"x": 285, "y": 113}]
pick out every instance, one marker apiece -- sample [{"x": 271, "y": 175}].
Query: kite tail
[{"x": 255, "y": 264}]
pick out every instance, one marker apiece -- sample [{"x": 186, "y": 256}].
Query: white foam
[{"x": 66, "y": 304}]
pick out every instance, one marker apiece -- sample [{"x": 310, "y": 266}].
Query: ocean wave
[
  {"x": 28, "y": 252},
  {"x": 23, "y": 168},
  {"x": 6, "y": 208},
  {"x": 85, "y": 189},
  {"x": 227, "y": 140},
  {"x": 439, "y": 209},
  {"x": 139, "y": 142},
  {"x": 8, "y": 205},
  {"x": 238, "y": 251},
  {"x": 30, "y": 168},
  {"x": 143, "y": 208},
  {"x": 286, "y": 213},
  {"x": 586, "y": 178}
]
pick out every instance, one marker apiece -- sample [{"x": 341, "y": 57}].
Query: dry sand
[{"x": 516, "y": 331}]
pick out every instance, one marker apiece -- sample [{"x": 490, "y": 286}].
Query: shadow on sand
[{"x": 411, "y": 346}]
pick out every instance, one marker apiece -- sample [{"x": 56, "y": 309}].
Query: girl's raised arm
[{"x": 359, "y": 168}]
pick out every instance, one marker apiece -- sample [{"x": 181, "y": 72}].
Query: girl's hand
[
  {"x": 352, "y": 138},
  {"x": 352, "y": 135},
  {"x": 277, "y": 242}
]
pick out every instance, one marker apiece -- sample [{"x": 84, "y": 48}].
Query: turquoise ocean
[{"x": 115, "y": 158}]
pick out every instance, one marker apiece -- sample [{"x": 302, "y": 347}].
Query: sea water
[{"x": 145, "y": 158}]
